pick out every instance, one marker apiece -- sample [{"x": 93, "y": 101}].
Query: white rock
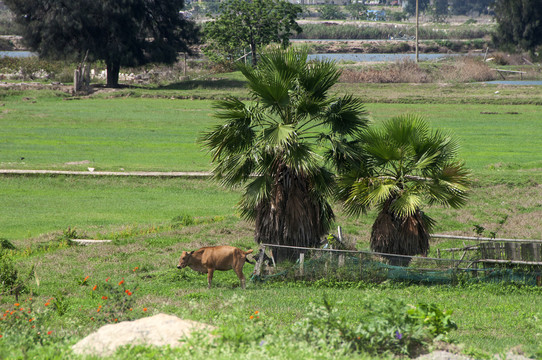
[{"x": 158, "y": 330}]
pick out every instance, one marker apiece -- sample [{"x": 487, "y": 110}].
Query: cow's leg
[
  {"x": 210, "y": 272},
  {"x": 239, "y": 271}
]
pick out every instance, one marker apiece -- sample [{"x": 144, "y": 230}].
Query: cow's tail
[{"x": 246, "y": 259}]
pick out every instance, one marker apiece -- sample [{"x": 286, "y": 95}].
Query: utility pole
[{"x": 417, "y": 25}]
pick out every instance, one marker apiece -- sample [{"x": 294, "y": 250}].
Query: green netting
[{"x": 367, "y": 267}]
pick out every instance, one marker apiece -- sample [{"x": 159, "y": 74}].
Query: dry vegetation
[{"x": 463, "y": 69}]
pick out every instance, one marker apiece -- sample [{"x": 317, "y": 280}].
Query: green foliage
[
  {"x": 519, "y": 24},
  {"x": 117, "y": 301},
  {"x": 437, "y": 322},
  {"x": 253, "y": 24},
  {"x": 331, "y": 12},
  {"x": 385, "y": 31},
  {"x": 5, "y": 244},
  {"x": 357, "y": 10},
  {"x": 30, "y": 68},
  {"x": 385, "y": 326},
  {"x": 9, "y": 278},
  {"x": 23, "y": 327},
  {"x": 402, "y": 163},
  {"x": 183, "y": 220},
  {"x": 138, "y": 32}
]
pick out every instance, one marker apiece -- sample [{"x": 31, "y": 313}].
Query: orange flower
[
  {"x": 95, "y": 286},
  {"x": 131, "y": 309},
  {"x": 144, "y": 309},
  {"x": 106, "y": 280},
  {"x": 47, "y": 303},
  {"x": 29, "y": 320},
  {"x": 104, "y": 297},
  {"x": 1, "y": 335},
  {"x": 256, "y": 312},
  {"x": 251, "y": 317},
  {"x": 137, "y": 267},
  {"x": 116, "y": 320},
  {"x": 85, "y": 279},
  {"x": 98, "y": 310},
  {"x": 121, "y": 282},
  {"x": 33, "y": 326},
  {"x": 49, "y": 332},
  {"x": 17, "y": 304}
]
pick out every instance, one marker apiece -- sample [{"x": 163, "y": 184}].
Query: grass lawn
[
  {"x": 161, "y": 134},
  {"x": 152, "y": 220}
]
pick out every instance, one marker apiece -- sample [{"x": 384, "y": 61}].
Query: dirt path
[{"x": 108, "y": 173}]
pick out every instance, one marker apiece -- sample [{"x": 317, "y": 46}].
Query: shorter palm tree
[{"x": 402, "y": 166}]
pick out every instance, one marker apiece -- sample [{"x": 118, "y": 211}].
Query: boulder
[{"x": 157, "y": 330}]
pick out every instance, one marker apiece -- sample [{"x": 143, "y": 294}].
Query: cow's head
[{"x": 185, "y": 258}]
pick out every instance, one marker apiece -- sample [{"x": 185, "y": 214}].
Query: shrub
[
  {"x": 9, "y": 278},
  {"x": 467, "y": 68},
  {"x": 386, "y": 326},
  {"x": 405, "y": 71}
]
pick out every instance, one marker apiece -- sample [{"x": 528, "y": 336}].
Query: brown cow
[{"x": 211, "y": 258}]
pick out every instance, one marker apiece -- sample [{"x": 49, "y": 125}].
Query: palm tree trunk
[
  {"x": 392, "y": 234},
  {"x": 292, "y": 217}
]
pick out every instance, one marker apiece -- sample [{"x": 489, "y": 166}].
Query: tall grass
[
  {"x": 387, "y": 31},
  {"x": 462, "y": 69}
]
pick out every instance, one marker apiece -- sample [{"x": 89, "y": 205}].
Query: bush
[
  {"x": 387, "y": 326},
  {"x": 331, "y": 12},
  {"x": 405, "y": 71},
  {"x": 9, "y": 278},
  {"x": 467, "y": 68}
]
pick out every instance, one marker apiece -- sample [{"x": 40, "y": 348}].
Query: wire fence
[{"x": 487, "y": 260}]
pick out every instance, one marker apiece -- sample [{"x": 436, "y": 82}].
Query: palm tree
[
  {"x": 402, "y": 166},
  {"x": 282, "y": 146}
]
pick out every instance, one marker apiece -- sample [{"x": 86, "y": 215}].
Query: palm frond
[
  {"x": 406, "y": 204},
  {"x": 234, "y": 169},
  {"x": 279, "y": 135},
  {"x": 346, "y": 116},
  {"x": 319, "y": 78}
]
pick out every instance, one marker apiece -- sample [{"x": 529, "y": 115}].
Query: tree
[
  {"x": 277, "y": 146},
  {"x": 439, "y": 10},
  {"x": 357, "y": 10},
  {"x": 252, "y": 23},
  {"x": 471, "y": 7},
  {"x": 402, "y": 166},
  {"x": 410, "y": 7},
  {"x": 127, "y": 33},
  {"x": 519, "y": 23},
  {"x": 331, "y": 12}
]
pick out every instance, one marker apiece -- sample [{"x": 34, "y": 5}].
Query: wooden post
[
  {"x": 77, "y": 79},
  {"x": 417, "y": 26},
  {"x": 259, "y": 263},
  {"x": 301, "y": 260},
  {"x": 184, "y": 68},
  {"x": 341, "y": 260}
]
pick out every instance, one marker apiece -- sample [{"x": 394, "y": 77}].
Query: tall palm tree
[
  {"x": 403, "y": 165},
  {"x": 282, "y": 146}
]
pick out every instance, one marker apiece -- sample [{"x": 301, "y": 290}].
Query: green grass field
[{"x": 147, "y": 219}]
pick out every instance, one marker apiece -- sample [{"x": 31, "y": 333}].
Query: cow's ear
[{"x": 191, "y": 252}]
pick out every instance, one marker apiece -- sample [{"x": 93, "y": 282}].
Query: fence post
[
  {"x": 341, "y": 260},
  {"x": 301, "y": 261},
  {"x": 259, "y": 263}
]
